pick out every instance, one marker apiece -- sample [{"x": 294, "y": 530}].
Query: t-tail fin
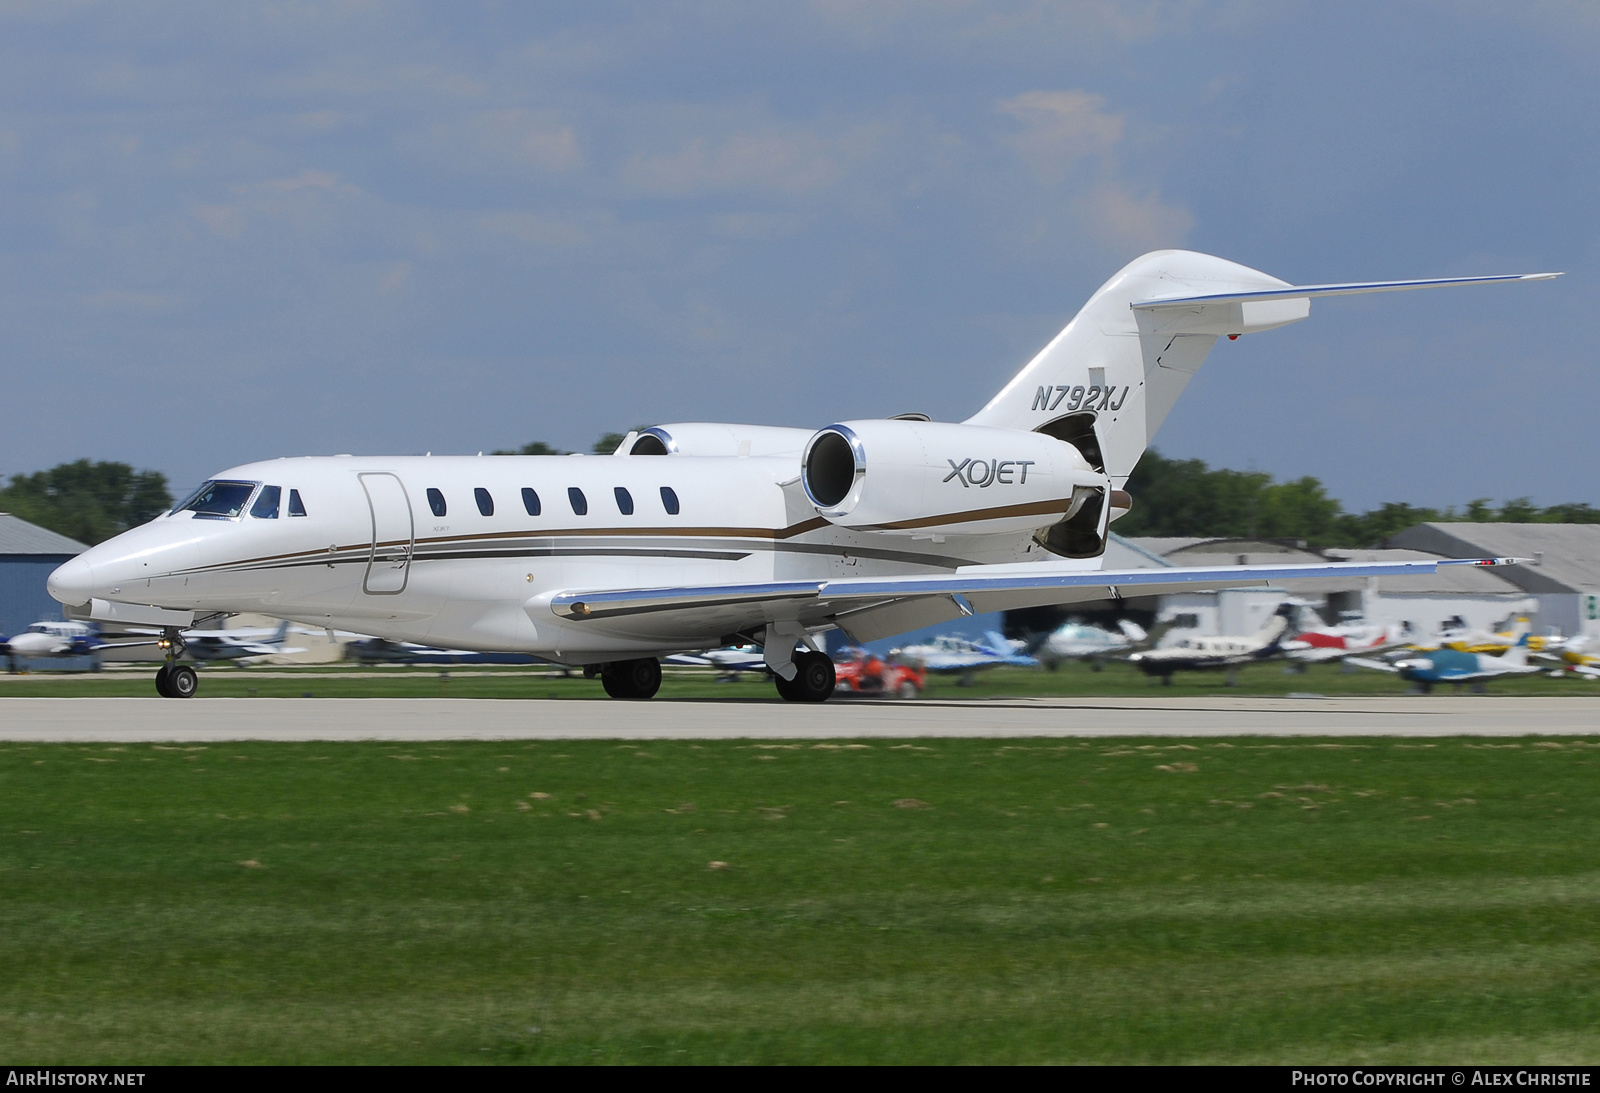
[
  {"x": 1517, "y": 655},
  {"x": 1109, "y": 379},
  {"x": 1276, "y": 628}
]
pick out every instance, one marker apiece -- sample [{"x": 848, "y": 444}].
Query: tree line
[
  {"x": 1185, "y": 497},
  {"x": 91, "y": 502}
]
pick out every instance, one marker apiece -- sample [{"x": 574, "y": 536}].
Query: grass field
[
  {"x": 936, "y": 901},
  {"x": 335, "y": 681}
]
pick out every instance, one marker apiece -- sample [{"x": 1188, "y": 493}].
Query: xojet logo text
[{"x": 986, "y": 472}]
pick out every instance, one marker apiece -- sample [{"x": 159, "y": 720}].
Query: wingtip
[{"x": 1542, "y": 276}]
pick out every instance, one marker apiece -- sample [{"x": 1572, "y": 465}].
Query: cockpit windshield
[{"x": 218, "y": 499}]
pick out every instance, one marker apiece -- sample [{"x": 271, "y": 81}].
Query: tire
[
  {"x": 814, "y": 679},
  {"x": 182, "y": 682},
  {"x": 907, "y": 689},
  {"x": 161, "y": 681},
  {"x": 644, "y": 677},
  {"x": 632, "y": 678}
]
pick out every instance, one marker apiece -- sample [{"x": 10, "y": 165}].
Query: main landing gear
[
  {"x": 631, "y": 678},
  {"x": 813, "y": 678},
  {"x": 175, "y": 680}
]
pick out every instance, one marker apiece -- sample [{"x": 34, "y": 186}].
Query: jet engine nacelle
[
  {"x": 931, "y": 478},
  {"x": 715, "y": 438}
]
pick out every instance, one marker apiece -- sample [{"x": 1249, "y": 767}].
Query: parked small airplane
[
  {"x": 1574, "y": 653},
  {"x": 727, "y": 533},
  {"x": 1198, "y": 654},
  {"x": 1076, "y": 640},
  {"x": 1344, "y": 640},
  {"x": 1455, "y": 633},
  {"x": 944, "y": 655},
  {"x": 1455, "y": 666},
  {"x": 49, "y": 638}
]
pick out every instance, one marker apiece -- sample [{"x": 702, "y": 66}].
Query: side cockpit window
[
  {"x": 297, "y": 507},
  {"x": 436, "y": 502},
  {"x": 266, "y": 506}
]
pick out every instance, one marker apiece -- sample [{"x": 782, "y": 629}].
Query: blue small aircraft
[
  {"x": 1456, "y": 666},
  {"x": 946, "y": 654}
]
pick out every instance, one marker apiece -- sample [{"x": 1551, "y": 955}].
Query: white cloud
[
  {"x": 535, "y": 228},
  {"x": 1136, "y": 224},
  {"x": 512, "y": 139},
  {"x": 1059, "y": 128},
  {"x": 226, "y": 221},
  {"x": 309, "y": 179},
  {"x": 786, "y": 162},
  {"x": 396, "y": 278}
]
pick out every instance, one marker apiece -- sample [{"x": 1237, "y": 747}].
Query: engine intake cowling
[{"x": 934, "y": 478}]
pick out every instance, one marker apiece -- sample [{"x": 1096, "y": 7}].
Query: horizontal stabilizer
[{"x": 1355, "y": 288}]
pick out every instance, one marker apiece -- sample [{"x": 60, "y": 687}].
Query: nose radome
[{"x": 72, "y": 583}]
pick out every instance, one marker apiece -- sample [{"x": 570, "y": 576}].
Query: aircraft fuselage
[{"x": 467, "y": 551}]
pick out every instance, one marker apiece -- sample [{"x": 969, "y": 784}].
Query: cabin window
[
  {"x": 485, "y": 502},
  {"x": 580, "y": 503},
  {"x": 624, "y": 501},
  {"x": 297, "y": 507},
  {"x": 669, "y": 500},
  {"x": 530, "y": 501},
  {"x": 436, "y": 502},
  {"x": 266, "y": 506},
  {"x": 220, "y": 500}
]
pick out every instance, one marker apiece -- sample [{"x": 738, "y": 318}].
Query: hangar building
[
  {"x": 28, "y": 553},
  {"x": 1562, "y": 571}
]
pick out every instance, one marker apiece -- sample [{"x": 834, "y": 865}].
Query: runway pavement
[{"x": 134, "y": 720}]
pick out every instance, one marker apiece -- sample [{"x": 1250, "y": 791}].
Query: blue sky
[{"x": 230, "y": 232}]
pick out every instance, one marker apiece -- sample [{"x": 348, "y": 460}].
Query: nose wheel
[{"x": 175, "y": 680}]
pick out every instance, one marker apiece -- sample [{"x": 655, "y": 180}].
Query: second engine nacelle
[
  {"x": 714, "y": 438},
  {"x": 932, "y": 478}
]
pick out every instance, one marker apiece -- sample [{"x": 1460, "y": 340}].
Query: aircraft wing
[
  {"x": 867, "y": 608},
  {"x": 1375, "y": 665}
]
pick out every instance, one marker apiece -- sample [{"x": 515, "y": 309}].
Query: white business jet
[{"x": 696, "y": 536}]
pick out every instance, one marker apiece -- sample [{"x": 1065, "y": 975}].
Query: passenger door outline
[{"x": 394, "y": 534}]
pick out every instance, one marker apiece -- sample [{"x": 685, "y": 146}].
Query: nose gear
[{"x": 174, "y": 680}]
